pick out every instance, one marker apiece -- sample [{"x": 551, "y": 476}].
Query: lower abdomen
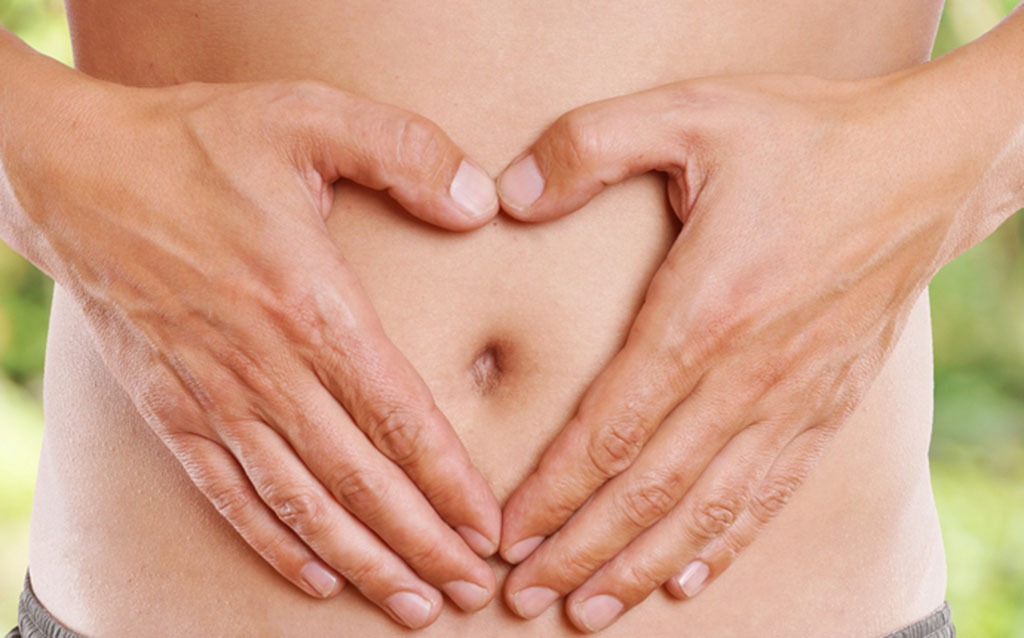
[{"x": 120, "y": 537}]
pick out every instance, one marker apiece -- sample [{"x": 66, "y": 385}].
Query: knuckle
[
  {"x": 646, "y": 502},
  {"x": 286, "y": 100},
  {"x": 273, "y": 548},
  {"x": 716, "y": 515},
  {"x": 731, "y": 545},
  {"x": 446, "y": 494},
  {"x": 162, "y": 408},
  {"x": 773, "y": 495},
  {"x": 716, "y": 329},
  {"x": 576, "y": 567},
  {"x": 310, "y": 92},
  {"x": 229, "y": 401},
  {"x": 287, "y": 109},
  {"x": 362, "y": 571},
  {"x": 298, "y": 314},
  {"x": 579, "y": 139},
  {"x": 418, "y": 143},
  {"x": 642, "y": 576},
  {"x": 767, "y": 374},
  {"x": 232, "y": 501},
  {"x": 396, "y": 433},
  {"x": 361, "y": 492},
  {"x": 300, "y": 511},
  {"x": 613, "y": 449},
  {"x": 220, "y": 387},
  {"x": 426, "y": 555}
]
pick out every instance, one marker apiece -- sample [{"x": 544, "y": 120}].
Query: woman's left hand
[{"x": 814, "y": 215}]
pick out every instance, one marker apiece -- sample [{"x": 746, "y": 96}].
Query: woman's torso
[{"x": 121, "y": 541}]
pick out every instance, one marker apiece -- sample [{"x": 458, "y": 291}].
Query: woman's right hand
[{"x": 188, "y": 223}]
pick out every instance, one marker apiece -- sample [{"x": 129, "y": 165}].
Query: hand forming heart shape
[{"x": 805, "y": 245}]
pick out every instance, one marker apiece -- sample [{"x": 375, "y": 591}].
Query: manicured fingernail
[
  {"x": 532, "y": 601},
  {"x": 468, "y": 596},
  {"x": 412, "y": 609},
  {"x": 477, "y": 541},
  {"x": 599, "y": 612},
  {"x": 473, "y": 190},
  {"x": 518, "y": 552},
  {"x": 693, "y": 577},
  {"x": 521, "y": 184},
  {"x": 319, "y": 578}
]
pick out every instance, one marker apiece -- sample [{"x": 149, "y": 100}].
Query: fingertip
[
  {"x": 483, "y": 546},
  {"x": 531, "y": 602},
  {"x": 413, "y": 609},
  {"x": 520, "y": 185},
  {"x": 476, "y": 514},
  {"x": 672, "y": 588},
  {"x": 521, "y": 550},
  {"x": 691, "y": 581},
  {"x": 595, "y": 613},
  {"x": 518, "y": 538},
  {"x": 469, "y": 597},
  {"x": 474, "y": 193},
  {"x": 319, "y": 581}
]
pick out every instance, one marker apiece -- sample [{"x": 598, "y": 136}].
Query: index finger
[
  {"x": 627, "y": 402},
  {"x": 392, "y": 405}
]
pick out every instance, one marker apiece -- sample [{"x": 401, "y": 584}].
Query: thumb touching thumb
[
  {"x": 587, "y": 149},
  {"x": 387, "y": 148}
]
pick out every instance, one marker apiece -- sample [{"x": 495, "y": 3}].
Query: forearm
[
  {"x": 971, "y": 102},
  {"x": 40, "y": 99}
]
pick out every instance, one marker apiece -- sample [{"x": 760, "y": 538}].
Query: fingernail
[
  {"x": 518, "y": 552},
  {"x": 412, "y": 609},
  {"x": 599, "y": 612},
  {"x": 521, "y": 184},
  {"x": 477, "y": 541},
  {"x": 693, "y": 577},
  {"x": 473, "y": 190},
  {"x": 319, "y": 578},
  {"x": 468, "y": 596},
  {"x": 532, "y": 601}
]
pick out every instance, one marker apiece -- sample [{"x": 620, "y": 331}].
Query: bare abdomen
[{"x": 507, "y": 324}]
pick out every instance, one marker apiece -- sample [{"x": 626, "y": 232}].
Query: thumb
[
  {"x": 591, "y": 147},
  {"x": 387, "y": 148}
]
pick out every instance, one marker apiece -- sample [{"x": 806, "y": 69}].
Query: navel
[{"x": 487, "y": 368}]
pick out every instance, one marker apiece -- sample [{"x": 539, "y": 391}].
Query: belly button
[{"x": 486, "y": 369}]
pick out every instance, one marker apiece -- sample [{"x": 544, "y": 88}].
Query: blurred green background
[{"x": 977, "y": 451}]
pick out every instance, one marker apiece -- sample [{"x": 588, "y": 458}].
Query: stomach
[{"x": 123, "y": 544}]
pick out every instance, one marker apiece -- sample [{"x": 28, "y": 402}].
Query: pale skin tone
[
  {"x": 233, "y": 380},
  {"x": 763, "y": 346},
  {"x": 725, "y": 396}
]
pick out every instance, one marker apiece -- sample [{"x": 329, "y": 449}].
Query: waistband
[
  {"x": 939, "y": 624},
  {"x": 34, "y": 621}
]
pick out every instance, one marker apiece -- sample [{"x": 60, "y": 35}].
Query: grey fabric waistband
[
  {"x": 938, "y": 625},
  {"x": 34, "y": 621}
]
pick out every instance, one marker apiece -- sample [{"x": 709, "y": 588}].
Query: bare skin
[
  {"x": 770, "y": 317},
  {"x": 530, "y": 317}
]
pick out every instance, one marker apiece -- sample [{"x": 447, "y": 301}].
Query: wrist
[
  {"x": 43, "y": 101},
  {"x": 964, "y": 113}
]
